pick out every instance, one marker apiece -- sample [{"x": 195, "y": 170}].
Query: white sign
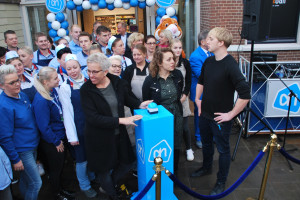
[
  {"x": 161, "y": 149},
  {"x": 140, "y": 150}
]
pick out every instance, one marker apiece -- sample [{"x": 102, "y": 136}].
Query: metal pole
[
  {"x": 273, "y": 144},
  {"x": 158, "y": 168}
]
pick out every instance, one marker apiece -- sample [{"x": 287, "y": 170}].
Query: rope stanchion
[
  {"x": 288, "y": 156},
  {"x": 146, "y": 188},
  {"x": 226, "y": 192}
]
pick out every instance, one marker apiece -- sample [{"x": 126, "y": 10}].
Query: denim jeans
[
  {"x": 196, "y": 123},
  {"x": 209, "y": 129},
  {"x": 84, "y": 176},
  {"x": 30, "y": 179}
]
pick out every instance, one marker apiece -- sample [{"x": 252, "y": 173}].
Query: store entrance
[{"x": 133, "y": 17}]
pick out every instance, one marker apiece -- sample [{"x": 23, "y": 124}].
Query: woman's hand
[
  {"x": 130, "y": 120},
  {"x": 74, "y": 143},
  {"x": 60, "y": 147},
  {"x": 183, "y": 98},
  {"x": 198, "y": 103},
  {"x": 19, "y": 166},
  {"x": 144, "y": 104}
]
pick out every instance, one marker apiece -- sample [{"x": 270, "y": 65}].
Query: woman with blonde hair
[
  {"x": 134, "y": 39},
  {"x": 49, "y": 117},
  {"x": 165, "y": 38}
]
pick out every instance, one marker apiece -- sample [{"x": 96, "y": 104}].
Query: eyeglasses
[
  {"x": 93, "y": 72},
  {"x": 117, "y": 66},
  {"x": 14, "y": 82},
  {"x": 151, "y": 43}
]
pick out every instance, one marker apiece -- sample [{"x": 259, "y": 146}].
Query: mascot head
[{"x": 169, "y": 24}]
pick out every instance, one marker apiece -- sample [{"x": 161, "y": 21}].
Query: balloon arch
[{"x": 58, "y": 24}]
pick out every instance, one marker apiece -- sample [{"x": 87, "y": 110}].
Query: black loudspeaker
[{"x": 256, "y": 19}]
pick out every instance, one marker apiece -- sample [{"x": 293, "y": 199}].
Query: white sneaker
[
  {"x": 189, "y": 155},
  {"x": 41, "y": 169}
]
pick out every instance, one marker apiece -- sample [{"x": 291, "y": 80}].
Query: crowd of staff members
[{"x": 79, "y": 97}]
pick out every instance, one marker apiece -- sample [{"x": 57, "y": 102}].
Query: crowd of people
[{"x": 78, "y": 96}]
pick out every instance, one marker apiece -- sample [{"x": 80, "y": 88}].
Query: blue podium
[{"x": 155, "y": 138}]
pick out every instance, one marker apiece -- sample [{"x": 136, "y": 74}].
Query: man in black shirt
[{"x": 220, "y": 78}]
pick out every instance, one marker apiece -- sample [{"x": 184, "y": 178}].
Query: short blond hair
[
  {"x": 134, "y": 37},
  {"x": 222, "y": 34}
]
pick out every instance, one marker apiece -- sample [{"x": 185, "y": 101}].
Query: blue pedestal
[{"x": 155, "y": 138}]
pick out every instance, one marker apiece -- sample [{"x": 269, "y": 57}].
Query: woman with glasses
[
  {"x": 150, "y": 44},
  {"x": 13, "y": 58},
  {"x": 136, "y": 73},
  {"x": 19, "y": 135},
  {"x": 49, "y": 117},
  {"x": 103, "y": 97}
]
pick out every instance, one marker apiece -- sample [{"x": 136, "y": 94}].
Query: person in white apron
[{"x": 136, "y": 73}]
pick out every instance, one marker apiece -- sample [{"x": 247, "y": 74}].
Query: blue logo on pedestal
[
  {"x": 165, "y": 3},
  {"x": 282, "y": 99},
  {"x": 140, "y": 150},
  {"x": 56, "y": 6},
  {"x": 161, "y": 149}
]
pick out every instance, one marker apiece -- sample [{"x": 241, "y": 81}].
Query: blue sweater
[
  {"x": 48, "y": 119},
  {"x": 18, "y": 130}
]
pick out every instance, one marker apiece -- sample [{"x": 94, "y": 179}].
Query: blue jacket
[
  {"x": 18, "y": 130},
  {"x": 5, "y": 170},
  {"x": 197, "y": 59},
  {"x": 49, "y": 119}
]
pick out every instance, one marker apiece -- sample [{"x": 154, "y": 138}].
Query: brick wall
[{"x": 229, "y": 14}]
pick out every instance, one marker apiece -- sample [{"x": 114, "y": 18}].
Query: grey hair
[
  {"x": 6, "y": 70},
  {"x": 101, "y": 59},
  {"x": 202, "y": 36},
  {"x": 116, "y": 57}
]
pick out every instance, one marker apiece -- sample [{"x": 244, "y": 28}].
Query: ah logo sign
[
  {"x": 161, "y": 149},
  {"x": 140, "y": 150},
  {"x": 282, "y": 99},
  {"x": 165, "y": 3},
  {"x": 56, "y": 6}
]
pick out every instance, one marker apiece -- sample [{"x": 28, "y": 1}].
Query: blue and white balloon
[
  {"x": 93, "y": 2},
  {"x": 56, "y": 38},
  {"x": 49, "y": 25},
  {"x": 61, "y": 32},
  {"x": 60, "y": 17},
  {"x": 71, "y": 5},
  {"x": 161, "y": 12},
  {"x": 102, "y": 4},
  {"x": 125, "y": 1},
  {"x": 95, "y": 7},
  {"x": 52, "y": 33},
  {"x": 51, "y": 17},
  {"x": 110, "y": 6},
  {"x": 86, "y": 5},
  {"x": 134, "y": 3},
  {"x": 109, "y": 1},
  {"x": 118, "y": 4},
  {"x": 126, "y": 6},
  {"x": 170, "y": 11},
  {"x": 157, "y": 20},
  {"x": 67, "y": 38},
  {"x": 78, "y": 2},
  {"x": 55, "y": 25},
  {"x": 79, "y": 8},
  {"x": 64, "y": 24},
  {"x": 142, "y": 4},
  {"x": 150, "y": 2}
]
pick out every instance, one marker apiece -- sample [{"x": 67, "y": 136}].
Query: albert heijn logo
[
  {"x": 56, "y": 6},
  {"x": 161, "y": 149},
  {"x": 140, "y": 150},
  {"x": 282, "y": 99}
]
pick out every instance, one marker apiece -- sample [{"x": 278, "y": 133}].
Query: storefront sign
[
  {"x": 56, "y": 6},
  {"x": 165, "y": 3},
  {"x": 277, "y": 98}
]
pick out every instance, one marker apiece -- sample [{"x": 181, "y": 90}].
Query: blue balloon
[
  {"x": 64, "y": 24},
  {"x": 134, "y": 3},
  {"x": 52, "y": 33},
  {"x": 157, "y": 20},
  {"x": 161, "y": 12},
  {"x": 56, "y": 38},
  {"x": 71, "y": 5},
  {"x": 60, "y": 17},
  {"x": 125, "y": 1},
  {"x": 67, "y": 32},
  {"x": 175, "y": 17},
  {"x": 79, "y": 8},
  {"x": 142, "y": 4},
  {"x": 110, "y": 6},
  {"x": 94, "y": 1},
  {"x": 49, "y": 25},
  {"x": 102, "y": 4}
]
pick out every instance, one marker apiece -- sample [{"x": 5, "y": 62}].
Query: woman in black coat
[
  {"x": 164, "y": 86},
  {"x": 108, "y": 147}
]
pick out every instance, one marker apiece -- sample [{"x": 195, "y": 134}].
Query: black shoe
[
  {"x": 67, "y": 193},
  {"x": 201, "y": 172},
  {"x": 219, "y": 188},
  {"x": 61, "y": 196}
]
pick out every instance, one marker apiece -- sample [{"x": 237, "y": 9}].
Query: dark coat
[
  {"x": 188, "y": 78},
  {"x": 128, "y": 52},
  {"x": 101, "y": 148},
  {"x": 152, "y": 88}
]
